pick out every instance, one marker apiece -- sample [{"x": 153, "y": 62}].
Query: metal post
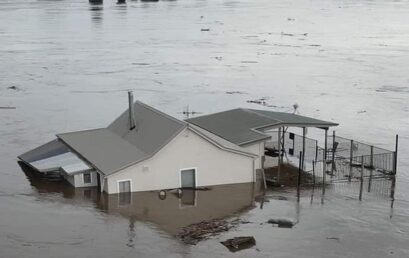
[
  {"x": 393, "y": 185},
  {"x": 303, "y": 148},
  {"x": 263, "y": 174},
  {"x": 279, "y": 155},
  {"x": 313, "y": 172},
  {"x": 371, "y": 161},
  {"x": 283, "y": 145},
  {"x": 324, "y": 168},
  {"x": 370, "y": 180},
  {"x": 361, "y": 178},
  {"x": 333, "y": 153},
  {"x": 326, "y": 144},
  {"x": 351, "y": 155},
  {"x": 316, "y": 150},
  {"x": 395, "y": 160},
  {"x": 299, "y": 176}
]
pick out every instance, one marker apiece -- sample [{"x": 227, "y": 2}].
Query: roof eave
[{"x": 254, "y": 141}]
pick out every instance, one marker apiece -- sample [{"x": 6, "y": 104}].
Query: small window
[
  {"x": 188, "y": 178},
  {"x": 87, "y": 178},
  {"x": 124, "y": 192},
  {"x": 124, "y": 186}
]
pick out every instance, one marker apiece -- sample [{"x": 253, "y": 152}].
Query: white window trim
[
  {"x": 90, "y": 177},
  {"x": 180, "y": 175},
  {"x": 123, "y": 180}
]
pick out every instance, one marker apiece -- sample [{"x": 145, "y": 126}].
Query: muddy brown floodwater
[{"x": 65, "y": 65}]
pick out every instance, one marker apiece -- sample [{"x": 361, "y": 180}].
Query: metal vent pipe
[{"x": 131, "y": 111}]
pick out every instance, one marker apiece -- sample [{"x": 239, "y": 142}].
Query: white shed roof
[{"x": 68, "y": 162}]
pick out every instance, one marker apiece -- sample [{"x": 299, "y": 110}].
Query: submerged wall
[
  {"x": 77, "y": 180},
  {"x": 187, "y": 150}
]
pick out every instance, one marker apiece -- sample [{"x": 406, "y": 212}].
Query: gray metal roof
[
  {"x": 222, "y": 143},
  {"x": 243, "y": 126},
  {"x": 116, "y": 147},
  {"x": 104, "y": 149},
  {"x": 153, "y": 128}
]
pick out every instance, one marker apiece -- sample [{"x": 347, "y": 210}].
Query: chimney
[{"x": 131, "y": 111}]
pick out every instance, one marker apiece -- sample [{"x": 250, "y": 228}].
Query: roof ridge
[
  {"x": 210, "y": 114},
  {"x": 254, "y": 111},
  {"x": 81, "y": 131},
  {"x": 163, "y": 114}
]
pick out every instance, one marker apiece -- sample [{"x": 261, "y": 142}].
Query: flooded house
[{"x": 145, "y": 149}]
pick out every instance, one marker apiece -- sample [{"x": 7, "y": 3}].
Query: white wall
[
  {"x": 77, "y": 180},
  {"x": 187, "y": 150},
  {"x": 257, "y": 148}
]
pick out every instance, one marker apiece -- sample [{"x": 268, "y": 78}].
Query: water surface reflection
[{"x": 169, "y": 213}]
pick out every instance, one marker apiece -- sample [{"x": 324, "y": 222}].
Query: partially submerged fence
[
  {"x": 345, "y": 160},
  {"x": 339, "y": 150},
  {"x": 340, "y": 172}
]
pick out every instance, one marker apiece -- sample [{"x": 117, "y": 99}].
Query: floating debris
[
  {"x": 287, "y": 34},
  {"x": 279, "y": 197},
  {"x": 390, "y": 88},
  {"x": 197, "y": 232},
  {"x": 140, "y": 63},
  {"x": 13, "y": 88},
  {"x": 333, "y": 238},
  {"x": 239, "y": 243},
  {"x": 291, "y": 34},
  {"x": 7, "y": 107},
  {"x": 235, "y": 92},
  {"x": 218, "y": 58},
  {"x": 282, "y": 223},
  {"x": 205, "y": 30},
  {"x": 257, "y": 101}
]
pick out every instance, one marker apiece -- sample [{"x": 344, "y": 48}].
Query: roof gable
[{"x": 153, "y": 128}]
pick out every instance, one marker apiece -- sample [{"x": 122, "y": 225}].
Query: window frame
[
  {"x": 180, "y": 176},
  {"x": 119, "y": 194},
  {"x": 90, "y": 178},
  {"x": 124, "y": 180}
]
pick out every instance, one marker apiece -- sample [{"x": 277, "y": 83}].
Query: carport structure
[{"x": 246, "y": 127}]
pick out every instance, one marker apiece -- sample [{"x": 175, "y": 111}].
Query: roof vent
[{"x": 131, "y": 111}]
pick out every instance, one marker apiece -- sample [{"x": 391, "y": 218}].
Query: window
[
  {"x": 124, "y": 192},
  {"x": 124, "y": 186},
  {"x": 87, "y": 177},
  {"x": 188, "y": 178},
  {"x": 188, "y": 197}
]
